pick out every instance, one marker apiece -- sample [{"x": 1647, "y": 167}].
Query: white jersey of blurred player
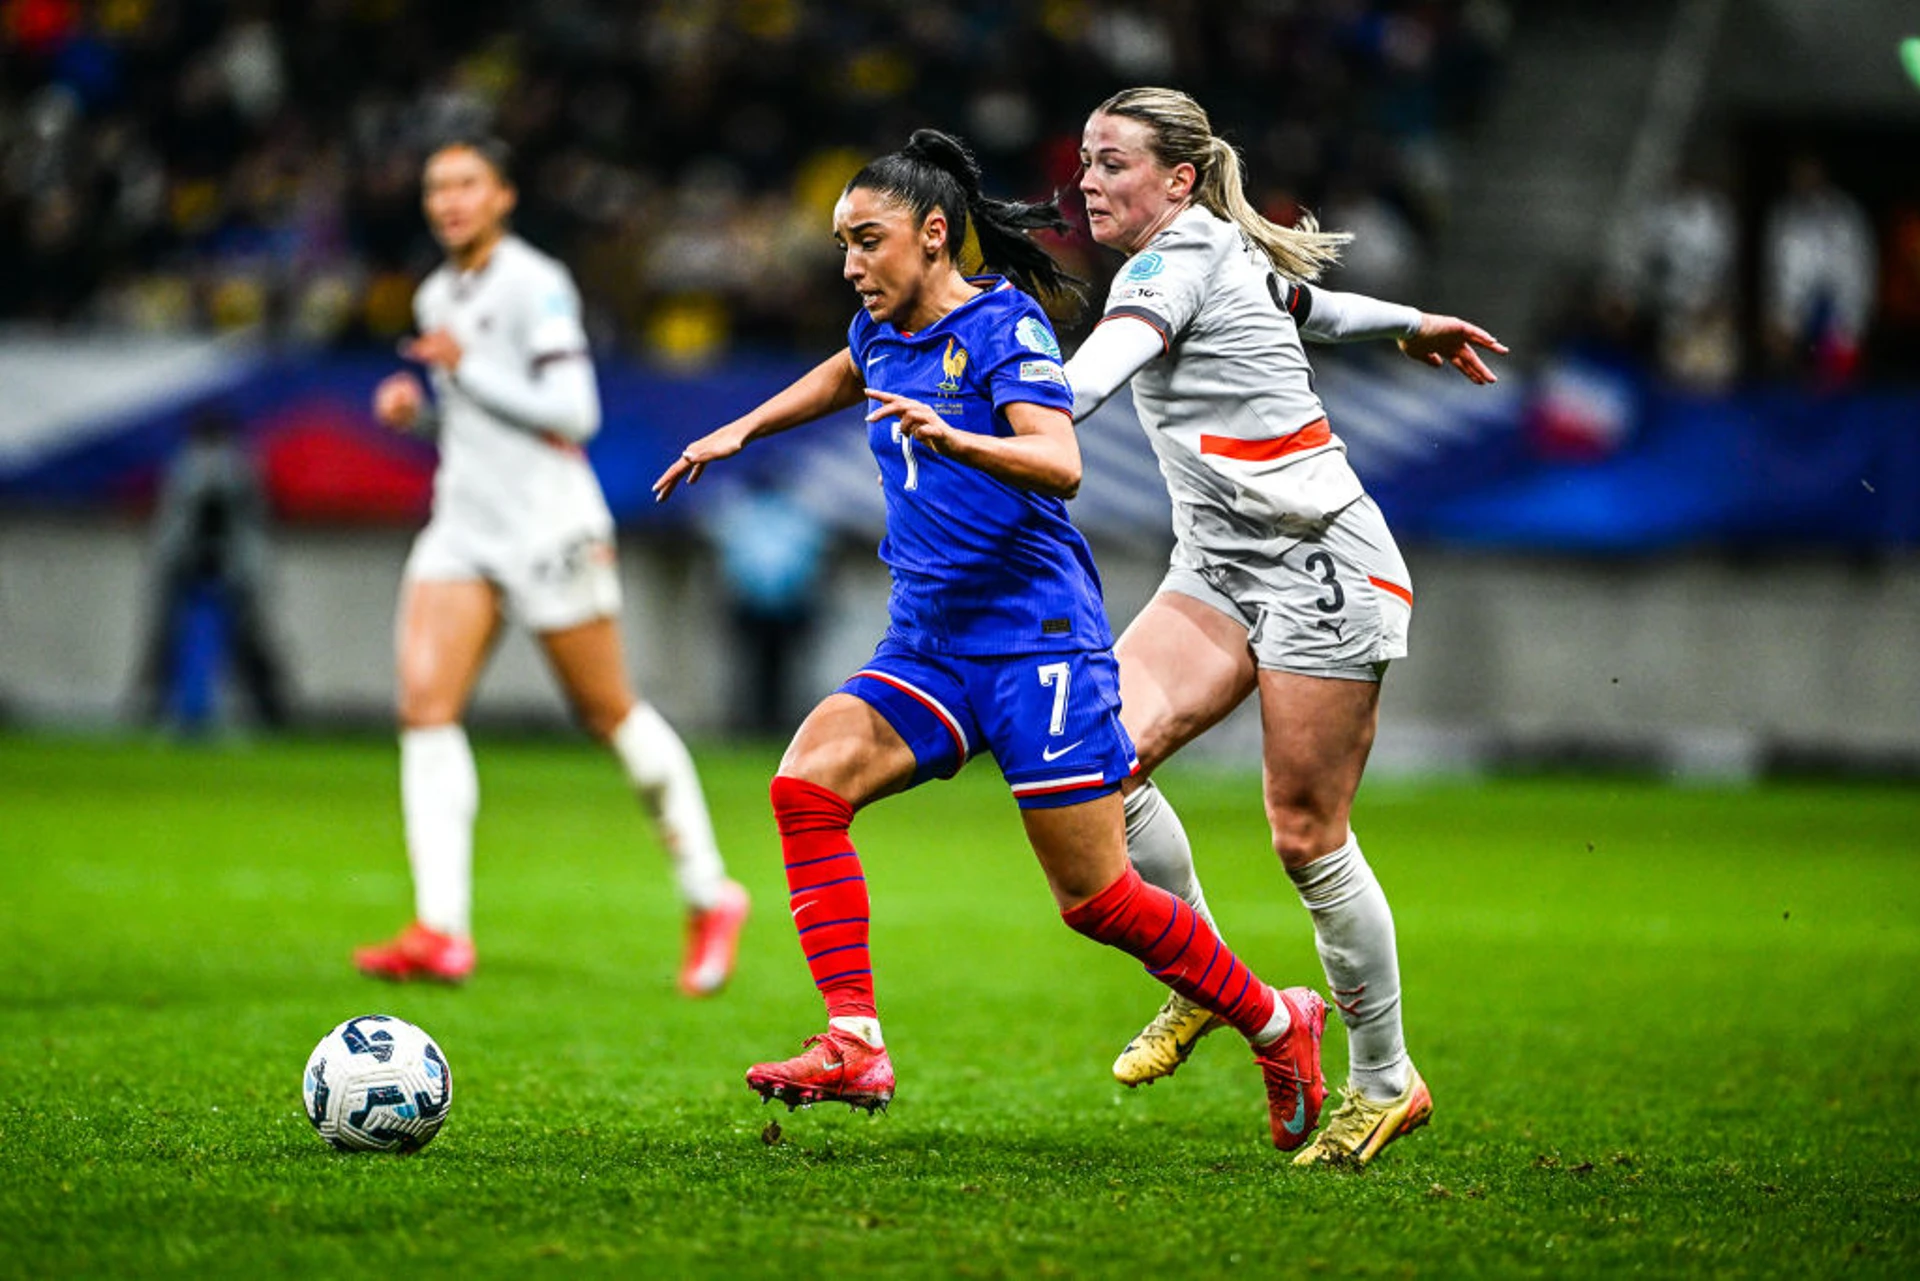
[
  {"x": 1284, "y": 578},
  {"x": 520, "y": 528},
  {"x": 514, "y": 499}
]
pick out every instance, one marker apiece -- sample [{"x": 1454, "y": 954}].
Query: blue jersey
[{"x": 979, "y": 566}]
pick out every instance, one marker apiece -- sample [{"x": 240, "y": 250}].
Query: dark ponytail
[{"x": 936, "y": 171}]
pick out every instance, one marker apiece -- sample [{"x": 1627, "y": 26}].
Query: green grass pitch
[{"x": 1668, "y": 1031}]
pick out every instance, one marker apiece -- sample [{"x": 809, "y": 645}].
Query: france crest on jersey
[{"x": 979, "y": 566}]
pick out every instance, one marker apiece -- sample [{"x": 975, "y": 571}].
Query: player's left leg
[
  {"x": 1184, "y": 665},
  {"x": 1082, "y": 849},
  {"x": 587, "y": 660},
  {"x": 1317, "y": 733}
]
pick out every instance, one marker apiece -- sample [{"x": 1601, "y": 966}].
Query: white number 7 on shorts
[{"x": 1056, "y": 675}]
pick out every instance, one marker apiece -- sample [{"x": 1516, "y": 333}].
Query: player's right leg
[
  {"x": 1101, "y": 896},
  {"x": 845, "y": 754},
  {"x": 446, "y": 629},
  {"x": 1318, "y": 731},
  {"x": 1184, "y": 665},
  {"x": 1319, "y": 710}
]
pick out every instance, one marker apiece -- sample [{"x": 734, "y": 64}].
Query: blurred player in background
[
  {"x": 997, "y": 640},
  {"x": 1284, "y": 577},
  {"x": 519, "y": 524}
]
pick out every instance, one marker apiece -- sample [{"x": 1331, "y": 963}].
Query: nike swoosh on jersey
[
  {"x": 1050, "y": 754},
  {"x": 874, "y": 360}
]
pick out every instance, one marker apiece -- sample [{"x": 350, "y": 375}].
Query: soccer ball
[{"x": 377, "y": 1084}]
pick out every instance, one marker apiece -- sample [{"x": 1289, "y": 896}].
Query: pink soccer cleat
[
  {"x": 713, "y": 938},
  {"x": 837, "y": 1067},
  {"x": 418, "y": 953},
  {"x": 1296, "y": 1087}
]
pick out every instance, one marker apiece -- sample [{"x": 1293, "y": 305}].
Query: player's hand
[
  {"x": 437, "y": 347},
  {"x": 693, "y": 460},
  {"x": 397, "y": 401},
  {"x": 916, "y": 419},
  {"x": 1449, "y": 340}
]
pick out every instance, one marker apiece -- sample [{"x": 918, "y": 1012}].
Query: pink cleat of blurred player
[
  {"x": 713, "y": 940},
  {"x": 419, "y": 952}
]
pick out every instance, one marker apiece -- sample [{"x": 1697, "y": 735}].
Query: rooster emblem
[{"x": 953, "y": 362}]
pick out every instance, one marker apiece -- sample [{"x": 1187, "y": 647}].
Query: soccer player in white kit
[
  {"x": 1284, "y": 577},
  {"x": 519, "y": 527}
]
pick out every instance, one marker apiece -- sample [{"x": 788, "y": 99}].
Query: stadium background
[
  {"x": 1669, "y": 1028},
  {"x": 1705, "y": 564}
]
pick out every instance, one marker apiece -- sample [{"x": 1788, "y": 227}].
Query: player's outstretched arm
[
  {"x": 1449, "y": 340},
  {"x": 1330, "y": 316},
  {"x": 1042, "y": 454},
  {"x": 831, "y": 385},
  {"x": 1118, "y": 348}
]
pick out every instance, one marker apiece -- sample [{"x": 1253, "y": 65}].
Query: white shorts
[
  {"x": 1335, "y": 605},
  {"x": 549, "y": 585}
]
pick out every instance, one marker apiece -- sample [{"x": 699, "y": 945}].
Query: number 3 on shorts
[{"x": 1056, "y": 676}]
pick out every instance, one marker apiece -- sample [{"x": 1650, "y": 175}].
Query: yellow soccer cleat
[
  {"x": 1359, "y": 1127},
  {"x": 1163, "y": 1045}
]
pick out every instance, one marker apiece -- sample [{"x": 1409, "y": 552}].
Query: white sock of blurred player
[
  {"x": 661, "y": 771},
  {"x": 1158, "y": 847},
  {"x": 1353, "y": 929},
  {"x": 439, "y": 797}
]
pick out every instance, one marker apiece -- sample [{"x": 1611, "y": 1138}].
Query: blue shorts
[{"x": 1052, "y": 721}]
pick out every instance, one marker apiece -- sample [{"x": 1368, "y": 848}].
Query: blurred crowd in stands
[
  {"x": 1801, "y": 288},
  {"x": 193, "y": 166}
]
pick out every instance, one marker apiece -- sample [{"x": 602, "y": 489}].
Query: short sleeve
[
  {"x": 555, "y": 329},
  {"x": 1165, "y": 283},
  {"x": 1026, "y": 368}
]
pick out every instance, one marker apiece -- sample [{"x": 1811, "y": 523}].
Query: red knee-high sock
[
  {"x": 1177, "y": 947},
  {"x": 828, "y": 892}
]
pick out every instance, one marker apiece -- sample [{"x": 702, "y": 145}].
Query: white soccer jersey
[
  {"x": 1229, "y": 406},
  {"x": 500, "y": 480}
]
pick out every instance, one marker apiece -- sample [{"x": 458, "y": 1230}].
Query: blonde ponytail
[
  {"x": 1299, "y": 252},
  {"x": 1182, "y": 134}
]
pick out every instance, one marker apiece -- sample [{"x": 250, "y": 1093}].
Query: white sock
[
  {"x": 1353, "y": 928},
  {"x": 1277, "y": 1025},
  {"x": 439, "y": 797},
  {"x": 866, "y": 1029},
  {"x": 661, "y": 771},
  {"x": 1157, "y": 846}
]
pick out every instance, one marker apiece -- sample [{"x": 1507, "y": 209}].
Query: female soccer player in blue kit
[{"x": 998, "y": 639}]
